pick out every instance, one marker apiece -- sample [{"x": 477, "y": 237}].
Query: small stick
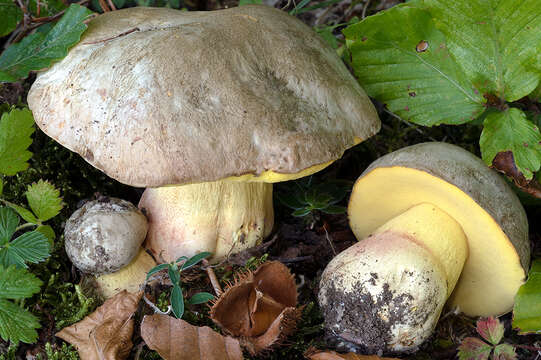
[{"x": 213, "y": 279}]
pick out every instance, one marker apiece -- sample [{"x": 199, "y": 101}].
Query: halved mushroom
[
  {"x": 222, "y": 103},
  {"x": 431, "y": 215}
]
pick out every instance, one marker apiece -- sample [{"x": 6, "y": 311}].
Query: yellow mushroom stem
[
  {"x": 396, "y": 281},
  {"x": 129, "y": 278},
  {"x": 223, "y": 217}
]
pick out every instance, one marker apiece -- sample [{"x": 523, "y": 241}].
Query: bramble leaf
[
  {"x": 39, "y": 50},
  {"x": 527, "y": 308},
  {"x": 8, "y": 224},
  {"x": 402, "y": 60},
  {"x": 511, "y": 131},
  {"x": 30, "y": 247},
  {"x": 504, "y": 352},
  {"x": 44, "y": 200},
  {"x": 24, "y": 213},
  {"x": 474, "y": 349},
  {"x": 15, "y": 130},
  {"x": 17, "y": 324},
  {"x": 48, "y": 232},
  {"x": 17, "y": 283},
  {"x": 497, "y": 42},
  {"x": 491, "y": 329}
]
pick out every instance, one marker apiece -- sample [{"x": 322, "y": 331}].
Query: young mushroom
[
  {"x": 219, "y": 104},
  {"x": 436, "y": 225}
]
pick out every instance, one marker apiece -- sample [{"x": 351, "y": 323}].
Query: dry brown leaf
[
  {"x": 175, "y": 339},
  {"x": 106, "y": 333},
  {"x": 260, "y": 308},
  {"x": 331, "y": 355}
]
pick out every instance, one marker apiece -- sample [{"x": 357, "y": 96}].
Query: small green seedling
[
  {"x": 491, "y": 330},
  {"x": 308, "y": 198},
  {"x": 173, "y": 270}
]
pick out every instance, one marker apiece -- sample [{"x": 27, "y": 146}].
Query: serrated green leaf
[
  {"x": 17, "y": 283},
  {"x": 30, "y": 247},
  {"x": 38, "y": 51},
  {"x": 511, "y": 131},
  {"x": 156, "y": 269},
  {"x": 10, "y": 15},
  {"x": 15, "y": 130},
  {"x": 402, "y": 59},
  {"x": 200, "y": 298},
  {"x": 24, "y": 213},
  {"x": 527, "y": 308},
  {"x": 8, "y": 224},
  {"x": 17, "y": 324},
  {"x": 504, "y": 352},
  {"x": 48, "y": 232},
  {"x": 496, "y": 42},
  {"x": 195, "y": 259},
  {"x": 177, "y": 301},
  {"x": 44, "y": 200},
  {"x": 474, "y": 349}
]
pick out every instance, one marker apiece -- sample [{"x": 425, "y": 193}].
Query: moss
[{"x": 53, "y": 352}]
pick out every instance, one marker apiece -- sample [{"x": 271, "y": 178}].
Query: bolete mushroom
[
  {"x": 436, "y": 225},
  {"x": 223, "y": 103}
]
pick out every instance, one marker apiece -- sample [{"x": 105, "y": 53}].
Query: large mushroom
[
  {"x": 435, "y": 225},
  {"x": 222, "y": 103}
]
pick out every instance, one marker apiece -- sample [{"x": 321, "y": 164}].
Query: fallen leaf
[
  {"x": 331, "y": 355},
  {"x": 504, "y": 162},
  {"x": 260, "y": 307},
  {"x": 175, "y": 339},
  {"x": 106, "y": 333}
]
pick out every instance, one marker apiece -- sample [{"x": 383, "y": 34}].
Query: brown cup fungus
[
  {"x": 206, "y": 110},
  {"x": 436, "y": 226}
]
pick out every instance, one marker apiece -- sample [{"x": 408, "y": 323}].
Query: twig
[
  {"x": 293, "y": 260},
  {"x": 365, "y": 7},
  {"x": 155, "y": 308},
  {"x": 213, "y": 279},
  {"x": 329, "y": 240}
]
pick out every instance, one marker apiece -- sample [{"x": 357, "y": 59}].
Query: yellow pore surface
[
  {"x": 130, "y": 277},
  {"x": 270, "y": 176},
  {"x": 492, "y": 273},
  {"x": 448, "y": 244}
]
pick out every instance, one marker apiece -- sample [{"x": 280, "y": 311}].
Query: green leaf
[
  {"x": 44, "y": 200},
  {"x": 8, "y": 224},
  {"x": 250, "y": 2},
  {"x": 30, "y": 247},
  {"x": 38, "y": 50},
  {"x": 403, "y": 60},
  {"x": 299, "y": 7},
  {"x": 327, "y": 34},
  {"x": 17, "y": 283},
  {"x": 24, "y": 213},
  {"x": 527, "y": 308},
  {"x": 301, "y": 212},
  {"x": 17, "y": 324},
  {"x": 496, "y": 42},
  {"x": 10, "y": 15},
  {"x": 474, "y": 349},
  {"x": 156, "y": 269},
  {"x": 290, "y": 201},
  {"x": 491, "y": 329},
  {"x": 46, "y": 7},
  {"x": 504, "y": 352},
  {"x": 48, "y": 232},
  {"x": 177, "y": 301},
  {"x": 511, "y": 131},
  {"x": 200, "y": 298},
  {"x": 15, "y": 130},
  {"x": 174, "y": 275},
  {"x": 334, "y": 209},
  {"x": 195, "y": 259}
]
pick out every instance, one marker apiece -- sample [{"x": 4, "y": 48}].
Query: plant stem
[{"x": 213, "y": 279}]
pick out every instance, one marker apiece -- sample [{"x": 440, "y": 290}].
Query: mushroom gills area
[
  {"x": 384, "y": 293},
  {"x": 492, "y": 269},
  {"x": 222, "y": 217},
  {"x": 432, "y": 228}
]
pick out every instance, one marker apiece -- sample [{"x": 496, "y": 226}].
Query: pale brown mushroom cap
[{"x": 159, "y": 96}]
